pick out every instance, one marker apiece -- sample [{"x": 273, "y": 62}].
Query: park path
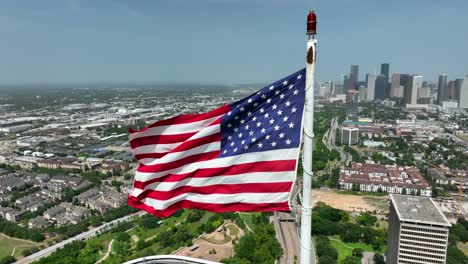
[
  {"x": 339, "y": 241},
  {"x": 30, "y": 243},
  {"x": 109, "y": 249},
  {"x": 367, "y": 257},
  {"x": 14, "y": 249},
  {"x": 22, "y": 240}
]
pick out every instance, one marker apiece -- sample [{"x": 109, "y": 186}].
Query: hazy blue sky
[{"x": 225, "y": 40}]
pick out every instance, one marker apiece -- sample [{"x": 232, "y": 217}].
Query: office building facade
[
  {"x": 442, "y": 88},
  {"x": 385, "y": 69},
  {"x": 381, "y": 83},
  {"x": 418, "y": 231},
  {"x": 362, "y": 93},
  {"x": 354, "y": 76},
  {"x": 371, "y": 87},
  {"x": 412, "y": 85},
  {"x": 350, "y": 136},
  {"x": 395, "y": 86},
  {"x": 463, "y": 102}
]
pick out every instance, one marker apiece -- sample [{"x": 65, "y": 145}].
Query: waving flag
[{"x": 238, "y": 157}]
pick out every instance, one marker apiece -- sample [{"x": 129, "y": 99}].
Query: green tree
[
  {"x": 324, "y": 248},
  {"x": 356, "y": 187},
  {"x": 122, "y": 236},
  {"x": 235, "y": 261},
  {"x": 351, "y": 232},
  {"x": 149, "y": 221},
  {"x": 7, "y": 260},
  {"x": 358, "y": 252},
  {"x": 261, "y": 245},
  {"x": 366, "y": 219},
  {"x": 379, "y": 259},
  {"x": 344, "y": 216},
  {"x": 351, "y": 260},
  {"x": 326, "y": 260},
  {"x": 456, "y": 256},
  {"x": 121, "y": 248}
]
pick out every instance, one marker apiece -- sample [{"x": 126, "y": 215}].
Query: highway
[
  {"x": 288, "y": 230},
  {"x": 289, "y": 239},
  {"x": 83, "y": 236},
  {"x": 329, "y": 139}
]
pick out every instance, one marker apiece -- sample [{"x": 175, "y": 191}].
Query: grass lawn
[
  {"x": 463, "y": 247},
  {"x": 343, "y": 251},
  {"x": 382, "y": 224},
  {"x": 232, "y": 230},
  {"x": 247, "y": 218},
  {"x": 7, "y": 244},
  {"x": 346, "y": 249},
  {"x": 379, "y": 202},
  {"x": 104, "y": 241}
]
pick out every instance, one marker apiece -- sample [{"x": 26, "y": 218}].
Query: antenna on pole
[{"x": 308, "y": 135}]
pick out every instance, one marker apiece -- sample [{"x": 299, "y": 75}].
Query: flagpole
[{"x": 308, "y": 133}]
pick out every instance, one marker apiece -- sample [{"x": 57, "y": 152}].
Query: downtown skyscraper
[
  {"x": 385, "y": 69},
  {"x": 442, "y": 88},
  {"x": 463, "y": 103},
  {"x": 371, "y": 87},
  {"x": 412, "y": 85},
  {"x": 381, "y": 85},
  {"x": 351, "y": 81}
]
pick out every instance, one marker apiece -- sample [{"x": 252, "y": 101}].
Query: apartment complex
[
  {"x": 418, "y": 231},
  {"x": 384, "y": 178}
]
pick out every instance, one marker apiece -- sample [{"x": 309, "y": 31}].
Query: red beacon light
[{"x": 311, "y": 23}]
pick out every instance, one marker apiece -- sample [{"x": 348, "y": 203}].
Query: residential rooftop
[{"x": 418, "y": 209}]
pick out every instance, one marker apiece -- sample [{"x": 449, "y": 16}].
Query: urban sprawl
[{"x": 399, "y": 140}]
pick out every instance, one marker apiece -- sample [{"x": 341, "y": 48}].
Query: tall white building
[
  {"x": 395, "y": 86},
  {"x": 464, "y": 94},
  {"x": 424, "y": 92},
  {"x": 371, "y": 87},
  {"x": 418, "y": 231},
  {"x": 350, "y": 136},
  {"x": 325, "y": 89},
  {"x": 362, "y": 93}
]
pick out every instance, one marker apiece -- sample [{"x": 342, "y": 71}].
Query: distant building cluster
[
  {"x": 101, "y": 199},
  {"x": 398, "y": 88},
  {"x": 440, "y": 177},
  {"x": 60, "y": 215},
  {"x": 95, "y": 199},
  {"x": 384, "y": 178},
  {"x": 50, "y": 191}
]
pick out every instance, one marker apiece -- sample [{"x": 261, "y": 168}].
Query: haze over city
[
  {"x": 234, "y": 132},
  {"x": 224, "y": 41}
]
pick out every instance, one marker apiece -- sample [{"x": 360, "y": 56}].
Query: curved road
[{"x": 329, "y": 141}]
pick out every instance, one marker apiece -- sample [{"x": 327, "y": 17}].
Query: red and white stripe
[{"x": 179, "y": 167}]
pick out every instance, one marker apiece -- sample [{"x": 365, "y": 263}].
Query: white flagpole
[{"x": 306, "y": 209}]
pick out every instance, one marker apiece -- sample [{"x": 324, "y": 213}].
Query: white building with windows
[
  {"x": 418, "y": 231},
  {"x": 350, "y": 136}
]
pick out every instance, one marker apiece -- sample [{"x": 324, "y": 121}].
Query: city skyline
[{"x": 121, "y": 41}]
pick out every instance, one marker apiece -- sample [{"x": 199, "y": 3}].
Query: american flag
[{"x": 238, "y": 157}]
